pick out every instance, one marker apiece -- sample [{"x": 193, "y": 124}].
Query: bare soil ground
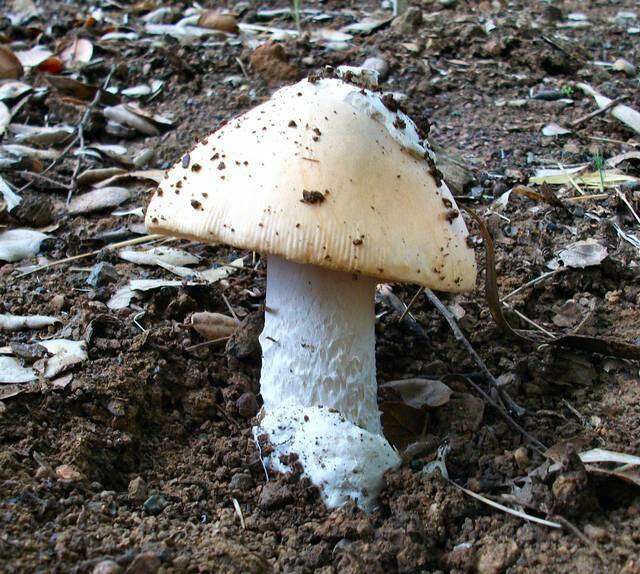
[{"x": 135, "y": 463}]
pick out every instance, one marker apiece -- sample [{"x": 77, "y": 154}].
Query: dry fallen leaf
[
  {"x": 17, "y": 244},
  {"x": 11, "y": 198},
  {"x": 159, "y": 255},
  {"x": 78, "y": 53},
  {"x": 213, "y": 326},
  {"x": 10, "y": 66},
  {"x": 583, "y": 254},
  {"x": 13, "y": 90},
  {"x": 34, "y": 57},
  {"x": 625, "y": 114},
  {"x": 5, "y": 118},
  {"x": 11, "y": 371},
  {"x": 41, "y": 135},
  {"x": 214, "y": 20},
  {"x": 99, "y": 199},
  {"x": 419, "y": 393},
  {"x": 9, "y": 322}
]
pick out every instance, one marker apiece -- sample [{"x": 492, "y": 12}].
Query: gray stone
[{"x": 102, "y": 274}]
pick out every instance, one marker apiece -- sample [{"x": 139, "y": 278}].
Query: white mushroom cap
[{"x": 324, "y": 173}]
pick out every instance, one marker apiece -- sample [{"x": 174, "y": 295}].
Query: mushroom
[{"x": 332, "y": 181}]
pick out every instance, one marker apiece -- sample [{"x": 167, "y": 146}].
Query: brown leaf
[
  {"x": 213, "y": 326},
  {"x": 80, "y": 90},
  {"x": 10, "y": 66},
  {"x": 402, "y": 424},
  {"x": 418, "y": 393},
  {"x": 214, "y": 20}
]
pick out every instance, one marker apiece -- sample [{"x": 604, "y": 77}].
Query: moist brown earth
[{"x": 145, "y": 461}]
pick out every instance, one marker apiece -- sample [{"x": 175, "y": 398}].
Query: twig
[
  {"x": 206, "y": 343},
  {"x": 626, "y": 202},
  {"x": 506, "y": 509},
  {"x": 226, "y": 302},
  {"x": 242, "y": 68},
  {"x": 135, "y": 241},
  {"x": 535, "y": 443},
  {"x": 532, "y": 283},
  {"x": 413, "y": 300},
  {"x": 593, "y": 114},
  {"x": 49, "y": 180},
  {"x": 529, "y": 321}
]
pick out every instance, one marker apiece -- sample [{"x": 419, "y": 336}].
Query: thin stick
[
  {"x": 506, "y": 509},
  {"x": 49, "y": 180},
  {"x": 532, "y": 283},
  {"x": 626, "y": 202},
  {"x": 597, "y": 112},
  {"x": 459, "y": 335},
  {"x": 206, "y": 343},
  {"x": 594, "y": 197},
  {"x": 136, "y": 241},
  {"x": 413, "y": 300},
  {"x": 226, "y": 302},
  {"x": 529, "y": 321}
]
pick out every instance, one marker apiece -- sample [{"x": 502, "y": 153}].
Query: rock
[
  {"x": 107, "y": 567},
  {"x": 379, "y": 65},
  {"x": 247, "y": 405},
  {"x": 34, "y": 211},
  {"x": 274, "y": 496},
  {"x": 57, "y": 303},
  {"x": 144, "y": 563},
  {"x": 620, "y": 65},
  {"x": 241, "y": 481},
  {"x": 408, "y": 21},
  {"x": 102, "y": 274},
  {"x": 573, "y": 493},
  {"x": 496, "y": 558},
  {"x": 137, "y": 489},
  {"x": 447, "y": 3},
  {"x": 551, "y": 13},
  {"x": 154, "y": 505},
  {"x": 272, "y": 63},
  {"x": 244, "y": 344}
]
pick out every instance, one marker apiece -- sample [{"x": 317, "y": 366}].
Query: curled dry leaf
[
  {"x": 124, "y": 115},
  {"x": 5, "y": 118},
  {"x": 214, "y": 20},
  {"x": 23, "y": 151},
  {"x": 11, "y": 198},
  {"x": 99, "y": 199},
  {"x": 41, "y": 135},
  {"x": 78, "y": 53},
  {"x": 583, "y": 254},
  {"x": 9, "y": 322},
  {"x": 159, "y": 255},
  {"x": 34, "y": 57},
  {"x": 80, "y": 90},
  {"x": 10, "y": 66},
  {"x": 13, "y": 90},
  {"x": 11, "y": 371},
  {"x": 625, "y": 114},
  {"x": 66, "y": 354},
  {"x": 419, "y": 393},
  {"x": 213, "y": 326},
  {"x": 17, "y": 244}
]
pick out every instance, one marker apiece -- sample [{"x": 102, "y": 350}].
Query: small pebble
[
  {"x": 137, "y": 489},
  {"x": 107, "y": 567},
  {"x": 155, "y": 504}
]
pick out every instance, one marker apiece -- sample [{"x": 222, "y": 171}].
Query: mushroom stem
[
  {"x": 318, "y": 342},
  {"x": 318, "y": 381}
]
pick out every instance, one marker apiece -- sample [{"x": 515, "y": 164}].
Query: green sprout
[
  {"x": 296, "y": 13},
  {"x": 567, "y": 91}
]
